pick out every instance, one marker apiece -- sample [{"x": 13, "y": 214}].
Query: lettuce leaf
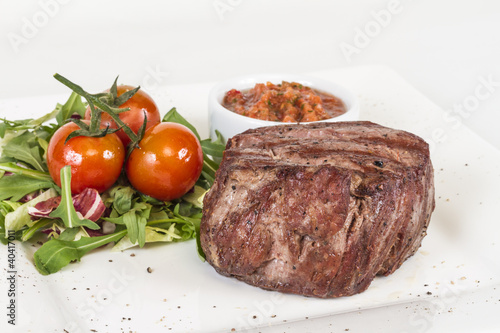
[
  {"x": 19, "y": 218},
  {"x": 152, "y": 235}
]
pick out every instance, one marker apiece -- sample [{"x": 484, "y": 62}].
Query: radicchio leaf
[
  {"x": 88, "y": 204},
  {"x": 43, "y": 208},
  {"x": 30, "y": 196}
]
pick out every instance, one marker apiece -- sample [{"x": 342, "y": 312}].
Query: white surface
[
  {"x": 457, "y": 264},
  {"x": 230, "y": 123}
]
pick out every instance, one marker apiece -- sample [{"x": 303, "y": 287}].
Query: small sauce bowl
[{"x": 229, "y": 123}]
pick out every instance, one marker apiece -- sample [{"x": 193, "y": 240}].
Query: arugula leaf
[
  {"x": 16, "y": 169},
  {"x": 25, "y": 148},
  {"x": 175, "y": 117},
  {"x": 121, "y": 197},
  {"x": 195, "y": 222},
  {"x": 69, "y": 234},
  {"x": 136, "y": 225},
  {"x": 208, "y": 175},
  {"x": 36, "y": 123},
  {"x": 66, "y": 211},
  {"x": 73, "y": 105},
  {"x": 38, "y": 225},
  {"x": 199, "y": 249},
  {"x": 153, "y": 234},
  {"x": 17, "y": 186},
  {"x": 57, "y": 253},
  {"x": 25, "y": 124},
  {"x": 135, "y": 220},
  {"x": 213, "y": 148}
]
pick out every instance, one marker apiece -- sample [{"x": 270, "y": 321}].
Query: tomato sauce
[{"x": 287, "y": 102}]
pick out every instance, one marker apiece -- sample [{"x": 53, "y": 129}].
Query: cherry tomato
[
  {"x": 95, "y": 162},
  {"x": 168, "y": 162},
  {"x": 139, "y": 104}
]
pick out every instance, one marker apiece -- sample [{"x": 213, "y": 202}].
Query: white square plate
[{"x": 113, "y": 292}]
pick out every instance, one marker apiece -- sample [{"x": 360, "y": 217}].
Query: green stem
[
  {"x": 161, "y": 221},
  {"x": 94, "y": 100},
  {"x": 35, "y": 174}
]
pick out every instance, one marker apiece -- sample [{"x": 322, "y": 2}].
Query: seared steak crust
[{"x": 318, "y": 209}]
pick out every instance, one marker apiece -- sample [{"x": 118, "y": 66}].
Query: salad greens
[
  {"x": 66, "y": 211},
  {"x": 132, "y": 219}
]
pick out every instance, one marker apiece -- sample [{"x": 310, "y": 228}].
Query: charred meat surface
[{"x": 318, "y": 209}]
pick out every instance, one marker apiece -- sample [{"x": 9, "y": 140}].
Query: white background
[
  {"x": 442, "y": 48},
  {"x": 446, "y": 49}
]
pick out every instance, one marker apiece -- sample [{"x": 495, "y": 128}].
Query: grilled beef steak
[{"x": 318, "y": 209}]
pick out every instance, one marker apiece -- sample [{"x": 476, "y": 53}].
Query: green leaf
[
  {"x": 44, "y": 145},
  {"x": 25, "y": 124},
  {"x": 122, "y": 198},
  {"x": 133, "y": 223},
  {"x": 175, "y": 117},
  {"x": 66, "y": 211},
  {"x": 177, "y": 213},
  {"x": 35, "y": 123},
  {"x": 17, "y": 186},
  {"x": 212, "y": 148},
  {"x": 212, "y": 154},
  {"x": 208, "y": 174},
  {"x": 199, "y": 249},
  {"x": 34, "y": 174},
  {"x": 196, "y": 196},
  {"x": 153, "y": 234},
  {"x": 196, "y": 224},
  {"x": 3, "y": 129},
  {"x": 73, "y": 105},
  {"x": 57, "y": 253},
  {"x": 25, "y": 148},
  {"x": 69, "y": 234},
  {"x": 38, "y": 225},
  {"x": 135, "y": 220}
]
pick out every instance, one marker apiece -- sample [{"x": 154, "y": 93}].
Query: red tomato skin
[
  {"x": 168, "y": 162},
  {"x": 95, "y": 162},
  {"x": 139, "y": 104}
]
